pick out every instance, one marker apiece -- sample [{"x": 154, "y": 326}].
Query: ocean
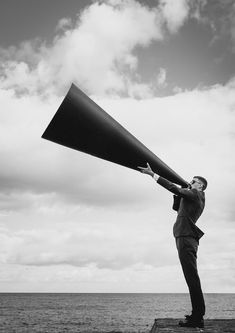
[{"x": 106, "y": 313}]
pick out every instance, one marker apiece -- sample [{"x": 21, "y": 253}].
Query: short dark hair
[{"x": 203, "y": 180}]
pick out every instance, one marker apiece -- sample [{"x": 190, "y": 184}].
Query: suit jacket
[
  {"x": 190, "y": 208},
  {"x": 176, "y": 202}
]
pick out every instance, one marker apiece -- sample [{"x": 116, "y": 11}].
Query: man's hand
[{"x": 147, "y": 171}]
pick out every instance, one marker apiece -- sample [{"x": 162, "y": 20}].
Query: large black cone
[{"x": 81, "y": 124}]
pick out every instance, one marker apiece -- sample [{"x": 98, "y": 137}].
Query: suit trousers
[{"x": 187, "y": 249}]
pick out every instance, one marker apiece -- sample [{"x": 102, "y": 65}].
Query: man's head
[{"x": 199, "y": 183}]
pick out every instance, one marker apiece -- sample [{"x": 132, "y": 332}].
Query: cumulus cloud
[
  {"x": 64, "y": 24},
  {"x": 96, "y": 53},
  {"x": 175, "y": 13},
  {"x": 37, "y": 167},
  {"x": 96, "y": 214},
  {"x": 73, "y": 177},
  {"x": 105, "y": 246},
  {"x": 69, "y": 176},
  {"x": 93, "y": 215},
  {"x": 218, "y": 15}
]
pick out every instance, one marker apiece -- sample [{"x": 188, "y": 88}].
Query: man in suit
[{"x": 190, "y": 204}]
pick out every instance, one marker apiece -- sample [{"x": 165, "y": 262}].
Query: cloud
[
  {"x": 64, "y": 24},
  {"x": 106, "y": 251},
  {"x": 94, "y": 215},
  {"x": 105, "y": 246},
  {"x": 161, "y": 78},
  {"x": 19, "y": 278},
  {"x": 86, "y": 53},
  {"x": 38, "y": 167},
  {"x": 175, "y": 13},
  {"x": 220, "y": 17},
  {"x": 68, "y": 209},
  {"x": 75, "y": 178}
]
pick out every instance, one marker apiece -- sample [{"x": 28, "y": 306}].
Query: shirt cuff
[{"x": 156, "y": 177}]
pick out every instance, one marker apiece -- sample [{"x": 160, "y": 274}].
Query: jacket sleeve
[
  {"x": 182, "y": 192},
  {"x": 176, "y": 202}
]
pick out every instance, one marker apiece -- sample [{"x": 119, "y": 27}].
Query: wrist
[{"x": 155, "y": 177}]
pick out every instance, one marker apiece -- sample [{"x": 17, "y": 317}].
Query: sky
[{"x": 165, "y": 70}]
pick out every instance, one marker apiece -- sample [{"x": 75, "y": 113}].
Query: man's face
[{"x": 197, "y": 184}]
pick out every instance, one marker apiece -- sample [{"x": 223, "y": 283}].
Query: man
[{"x": 190, "y": 206}]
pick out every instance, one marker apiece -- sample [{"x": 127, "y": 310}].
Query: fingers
[{"x": 143, "y": 169}]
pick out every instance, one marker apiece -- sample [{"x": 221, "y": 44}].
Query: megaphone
[{"x": 81, "y": 124}]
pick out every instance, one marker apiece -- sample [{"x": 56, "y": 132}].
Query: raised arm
[{"x": 182, "y": 192}]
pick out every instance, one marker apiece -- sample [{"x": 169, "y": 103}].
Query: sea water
[{"x": 48, "y": 312}]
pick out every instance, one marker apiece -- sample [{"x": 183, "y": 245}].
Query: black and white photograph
[{"x": 117, "y": 173}]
